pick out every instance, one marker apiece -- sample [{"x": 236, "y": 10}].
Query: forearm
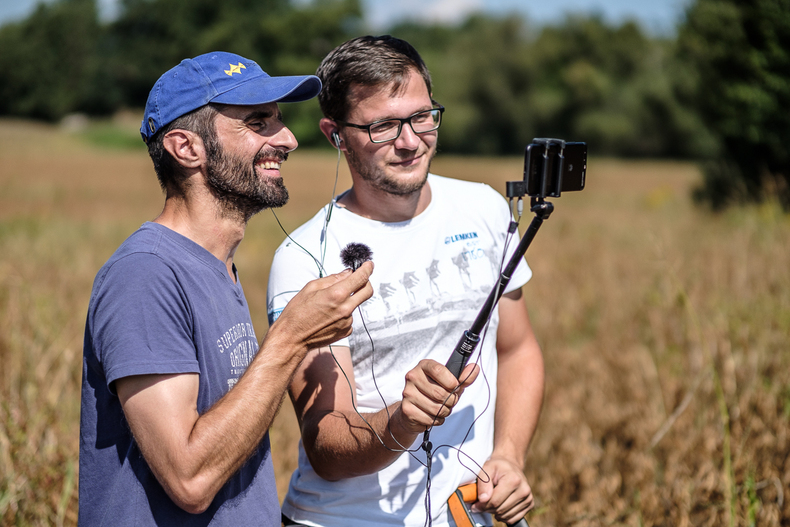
[
  {"x": 502, "y": 486},
  {"x": 346, "y": 444},
  {"x": 339, "y": 442},
  {"x": 231, "y": 431},
  {"x": 520, "y": 381},
  {"x": 191, "y": 455},
  {"x": 518, "y": 404}
]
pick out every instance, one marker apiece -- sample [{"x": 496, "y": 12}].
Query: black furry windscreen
[{"x": 355, "y": 254}]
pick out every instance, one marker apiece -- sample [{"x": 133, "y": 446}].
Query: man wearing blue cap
[{"x": 177, "y": 393}]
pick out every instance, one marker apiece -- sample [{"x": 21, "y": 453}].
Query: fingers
[
  {"x": 346, "y": 289},
  {"x": 485, "y": 489},
  {"x": 321, "y": 313},
  {"x": 353, "y": 280},
  {"x": 358, "y": 285},
  {"x": 503, "y": 490},
  {"x": 430, "y": 393}
]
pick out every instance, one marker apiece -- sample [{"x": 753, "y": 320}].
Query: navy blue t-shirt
[{"x": 162, "y": 304}]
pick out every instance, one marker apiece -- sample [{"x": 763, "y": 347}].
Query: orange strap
[
  {"x": 457, "y": 502},
  {"x": 459, "y": 509}
]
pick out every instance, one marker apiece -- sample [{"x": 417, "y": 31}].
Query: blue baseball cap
[{"x": 223, "y": 78}]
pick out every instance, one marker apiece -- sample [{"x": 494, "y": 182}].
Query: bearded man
[{"x": 177, "y": 392}]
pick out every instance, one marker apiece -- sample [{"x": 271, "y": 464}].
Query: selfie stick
[{"x": 471, "y": 337}]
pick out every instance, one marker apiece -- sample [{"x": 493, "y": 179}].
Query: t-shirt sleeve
[
  {"x": 291, "y": 269},
  {"x": 141, "y": 320}
]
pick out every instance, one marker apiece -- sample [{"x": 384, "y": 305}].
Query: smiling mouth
[
  {"x": 270, "y": 159},
  {"x": 408, "y": 162},
  {"x": 269, "y": 164}
]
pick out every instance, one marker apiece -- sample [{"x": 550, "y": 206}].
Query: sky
[{"x": 658, "y": 17}]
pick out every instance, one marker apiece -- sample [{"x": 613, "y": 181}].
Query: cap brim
[{"x": 263, "y": 89}]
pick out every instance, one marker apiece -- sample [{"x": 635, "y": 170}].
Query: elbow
[
  {"x": 326, "y": 462},
  {"x": 324, "y": 467},
  {"x": 337, "y": 465},
  {"x": 332, "y": 457},
  {"x": 333, "y": 473},
  {"x": 193, "y": 496},
  {"x": 316, "y": 455},
  {"x": 196, "y": 506},
  {"x": 328, "y": 475}
]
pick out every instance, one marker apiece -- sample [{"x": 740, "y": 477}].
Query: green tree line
[{"x": 719, "y": 91}]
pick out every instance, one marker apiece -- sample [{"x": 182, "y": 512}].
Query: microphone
[{"x": 355, "y": 254}]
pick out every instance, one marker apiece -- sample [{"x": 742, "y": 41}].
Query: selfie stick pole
[{"x": 471, "y": 337}]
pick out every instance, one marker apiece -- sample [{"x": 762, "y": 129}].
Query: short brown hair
[
  {"x": 199, "y": 121},
  {"x": 367, "y": 61}
]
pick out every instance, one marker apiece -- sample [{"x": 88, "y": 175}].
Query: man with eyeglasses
[{"x": 364, "y": 403}]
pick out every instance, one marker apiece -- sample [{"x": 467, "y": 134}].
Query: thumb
[
  {"x": 485, "y": 488},
  {"x": 469, "y": 374},
  {"x": 484, "y": 491}
]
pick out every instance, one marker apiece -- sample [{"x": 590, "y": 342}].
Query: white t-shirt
[{"x": 432, "y": 276}]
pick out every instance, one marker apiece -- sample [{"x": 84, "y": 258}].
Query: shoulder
[
  {"x": 146, "y": 265},
  {"x": 136, "y": 278},
  {"x": 140, "y": 251},
  {"x": 481, "y": 194}
]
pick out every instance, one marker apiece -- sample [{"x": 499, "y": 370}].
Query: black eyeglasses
[{"x": 389, "y": 129}]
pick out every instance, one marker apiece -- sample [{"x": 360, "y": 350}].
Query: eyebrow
[
  {"x": 263, "y": 114},
  {"x": 392, "y": 117}
]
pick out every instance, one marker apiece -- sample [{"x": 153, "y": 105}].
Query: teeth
[{"x": 271, "y": 165}]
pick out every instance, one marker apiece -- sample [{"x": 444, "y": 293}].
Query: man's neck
[
  {"x": 198, "y": 218},
  {"x": 379, "y": 205}
]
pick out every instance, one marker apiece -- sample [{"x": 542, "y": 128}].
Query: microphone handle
[{"x": 463, "y": 350}]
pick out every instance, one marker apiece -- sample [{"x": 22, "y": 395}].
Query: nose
[
  {"x": 284, "y": 138},
  {"x": 407, "y": 140}
]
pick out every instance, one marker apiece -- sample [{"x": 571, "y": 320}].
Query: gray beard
[{"x": 239, "y": 191}]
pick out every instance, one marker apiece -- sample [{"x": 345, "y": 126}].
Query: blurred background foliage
[{"x": 718, "y": 91}]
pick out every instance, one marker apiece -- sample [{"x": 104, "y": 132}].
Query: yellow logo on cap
[{"x": 235, "y": 69}]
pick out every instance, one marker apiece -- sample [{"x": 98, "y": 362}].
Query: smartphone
[
  {"x": 550, "y": 169},
  {"x": 574, "y": 173}
]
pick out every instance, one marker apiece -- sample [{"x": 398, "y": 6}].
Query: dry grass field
[{"x": 665, "y": 331}]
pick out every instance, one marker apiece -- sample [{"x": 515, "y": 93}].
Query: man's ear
[
  {"x": 330, "y": 130},
  {"x": 186, "y": 147}
]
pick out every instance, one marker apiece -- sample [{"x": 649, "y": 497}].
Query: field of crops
[{"x": 665, "y": 331}]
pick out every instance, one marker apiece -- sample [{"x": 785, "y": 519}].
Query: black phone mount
[{"x": 544, "y": 164}]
